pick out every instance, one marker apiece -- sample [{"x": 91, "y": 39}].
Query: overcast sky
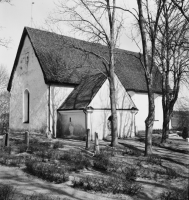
[{"x": 14, "y": 17}]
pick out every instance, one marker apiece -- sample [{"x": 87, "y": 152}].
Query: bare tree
[
  {"x": 172, "y": 58},
  {"x": 4, "y": 42},
  {"x": 4, "y": 99},
  {"x": 182, "y": 6},
  {"x": 3, "y": 79},
  {"x": 148, "y": 19},
  {"x": 97, "y": 20}
]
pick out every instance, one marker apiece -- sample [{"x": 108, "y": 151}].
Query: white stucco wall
[
  {"x": 158, "y": 123},
  {"x": 98, "y": 122},
  {"x": 98, "y": 119},
  {"x": 58, "y": 96},
  {"x": 182, "y": 103},
  {"x": 71, "y": 124},
  {"x": 102, "y": 100},
  {"x": 28, "y": 75},
  {"x": 141, "y": 102}
]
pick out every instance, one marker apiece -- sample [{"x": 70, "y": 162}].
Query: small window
[
  {"x": 27, "y": 58},
  {"x": 26, "y": 106}
]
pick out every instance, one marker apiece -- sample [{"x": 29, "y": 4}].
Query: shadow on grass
[{"x": 136, "y": 148}]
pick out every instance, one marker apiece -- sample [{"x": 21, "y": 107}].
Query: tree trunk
[
  {"x": 165, "y": 130},
  {"x": 114, "y": 131},
  {"x": 111, "y": 16},
  {"x": 149, "y": 121},
  {"x": 167, "y": 112}
]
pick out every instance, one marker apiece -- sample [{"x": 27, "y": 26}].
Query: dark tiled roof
[
  {"x": 82, "y": 95},
  {"x": 62, "y": 63}
]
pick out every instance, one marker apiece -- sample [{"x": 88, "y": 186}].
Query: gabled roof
[
  {"x": 62, "y": 63},
  {"x": 83, "y": 94}
]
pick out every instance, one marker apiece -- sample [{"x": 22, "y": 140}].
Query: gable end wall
[{"x": 28, "y": 75}]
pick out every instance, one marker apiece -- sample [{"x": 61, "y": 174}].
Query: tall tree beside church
[
  {"x": 148, "y": 19},
  {"x": 172, "y": 48},
  {"x": 97, "y": 20}
]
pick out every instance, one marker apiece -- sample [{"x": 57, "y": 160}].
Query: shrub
[
  {"x": 50, "y": 172},
  {"x": 10, "y": 160},
  {"x": 7, "y": 192},
  {"x": 44, "y": 152},
  {"x": 38, "y": 150},
  {"x": 114, "y": 184},
  {"x": 154, "y": 160},
  {"x": 177, "y": 194},
  {"x": 111, "y": 151},
  {"x": 68, "y": 156},
  {"x": 129, "y": 174},
  {"x": 132, "y": 152},
  {"x": 171, "y": 173},
  {"x": 102, "y": 161},
  {"x": 58, "y": 145},
  {"x": 77, "y": 159},
  {"x": 185, "y": 133},
  {"x": 22, "y": 148},
  {"x": 49, "y": 154},
  {"x": 8, "y": 149},
  {"x": 82, "y": 161}
]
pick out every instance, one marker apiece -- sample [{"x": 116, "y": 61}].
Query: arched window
[{"x": 26, "y": 106}]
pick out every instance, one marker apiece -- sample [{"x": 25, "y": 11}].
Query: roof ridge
[{"x": 77, "y": 39}]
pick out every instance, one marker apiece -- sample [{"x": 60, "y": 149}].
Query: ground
[{"x": 152, "y": 181}]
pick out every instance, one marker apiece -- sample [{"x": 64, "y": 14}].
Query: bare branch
[{"x": 181, "y": 8}]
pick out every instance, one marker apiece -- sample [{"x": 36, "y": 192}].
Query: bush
[
  {"x": 50, "y": 172},
  {"x": 45, "y": 153},
  {"x": 185, "y": 133},
  {"x": 77, "y": 159},
  {"x": 54, "y": 154},
  {"x": 132, "y": 152},
  {"x": 82, "y": 161},
  {"x": 10, "y": 160},
  {"x": 7, "y": 192},
  {"x": 102, "y": 161},
  {"x": 178, "y": 194},
  {"x": 114, "y": 184},
  {"x": 7, "y": 149},
  {"x": 129, "y": 174},
  {"x": 154, "y": 160},
  {"x": 171, "y": 173}
]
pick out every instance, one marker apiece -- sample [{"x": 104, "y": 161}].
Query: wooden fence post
[
  {"x": 4, "y": 140},
  {"x": 27, "y": 139},
  {"x": 88, "y": 139},
  {"x": 97, "y": 149},
  {"x": 7, "y": 139}
]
